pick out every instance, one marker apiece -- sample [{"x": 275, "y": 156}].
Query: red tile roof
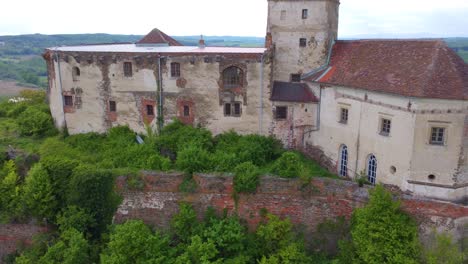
[
  {"x": 416, "y": 68},
  {"x": 156, "y": 36},
  {"x": 292, "y": 92}
]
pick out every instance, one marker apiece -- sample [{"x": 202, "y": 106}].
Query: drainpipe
[
  {"x": 260, "y": 125},
  {"x": 60, "y": 87},
  {"x": 160, "y": 118}
]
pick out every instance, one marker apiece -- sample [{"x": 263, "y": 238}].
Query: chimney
[
  {"x": 268, "y": 41},
  {"x": 201, "y": 43}
]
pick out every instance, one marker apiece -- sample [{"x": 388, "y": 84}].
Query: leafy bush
[
  {"x": 39, "y": 194},
  {"x": 246, "y": 178},
  {"x": 289, "y": 165},
  {"x": 443, "y": 251},
  {"x": 34, "y": 96},
  {"x": 227, "y": 234},
  {"x": 184, "y": 224},
  {"x": 193, "y": 158},
  {"x": 10, "y": 193},
  {"x": 74, "y": 217},
  {"x": 34, "y": 122},
  {"x": 72, "y": 248}
]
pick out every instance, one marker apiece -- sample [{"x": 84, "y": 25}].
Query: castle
[{"x": 392, "y": 110}]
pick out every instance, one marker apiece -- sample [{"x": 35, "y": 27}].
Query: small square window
[
  {"x": 227, "y": 109},
  {"x": 237, "y": 109},
  {"x": 385, "y": 126},
  {"x": 295, "y": 77},
  {"x": 112, "y": 106},
  {"x": 283, "y": 15},
  {"x": 233, "y": 109},
  {"x": 302, "y": 42},
  {"x": 281, "y": 112},
  {"x": 128, "y": 69},
  {"x": 344, "y": 115},
  {"x": 68, "y": 100},
  {"x": 150, "y": 110},
  {"x": 437, "y": 135},
  {"x": 186, "y": 110},
  {"x": 305, "y": 13}
]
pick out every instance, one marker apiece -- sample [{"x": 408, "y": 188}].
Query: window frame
[
  {"x": 385, "y": 126},
  {"x": 277, "y": 113},
  {"x": 302, "y": 42},
  {"x": 68, "y": 100},
  {"x": 149, "y": 110},
  {"x": 186, "y": 111},
  {"x": 341, "y": 119},
  {"x": 305, "y": 13},
  {"x": 231, "y": 80},
  {"x": 112, "y": 106},
  {"x": 437, "y": 142},
  {"x": 371, "y": 169},
  {"x": 175, "y": 70},
  {"x": 296, "y": 77},
  {"x": 230, "y": 109},
  {"x": 128, "y": 69},
  {"x": 343, "y": 166}
]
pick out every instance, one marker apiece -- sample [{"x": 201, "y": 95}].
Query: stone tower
[{"x": 301, "y": 32}]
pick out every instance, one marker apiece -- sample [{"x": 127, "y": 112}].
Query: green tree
[
  {"x": 443, "y": 251},
  {"x": 72, "y": 248},
  {"x": 34, "y": 122},
  {"x": 193, "y": 159},
  {"x": 199, "y": 252},
  {"x": 185, "y": 224},
  {"x": 39, "y": 193},
  {"x": 10, "y": 193},
  {"x": 246, "y": 177},
  {"x": 74, "y": 217},
  {"x": 289, "y": 165},
  {"x": 382, "y": 233},
  {"x": 227, "y": 234}
]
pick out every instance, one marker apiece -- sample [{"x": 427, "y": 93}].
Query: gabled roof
[
  {"x": 292, "y": 92},
  {"x": 156, "y": 36},
  {"x": 416, "y": 68}
]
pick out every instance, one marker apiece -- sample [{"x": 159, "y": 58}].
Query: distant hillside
[{"x": 20, "y": 55}]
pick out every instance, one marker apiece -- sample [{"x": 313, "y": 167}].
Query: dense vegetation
[
  {"x": 68, "y": 182},
  {"x": 20, "y": 55}
]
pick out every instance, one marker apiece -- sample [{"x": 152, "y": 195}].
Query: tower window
[
  {"x": 149, "y": 110},
  {"x": 295, "y": 77},
  {"x": 175, "y": 69},
  {"x": 186, "y": 110},
  {"x": 302, "y": 42},
  {"x": 128, "y": 69},
  {"x": 232, "y": 77},
  {"x": 76, "y": 73},
  {"x": 385, "y": 127},
  {"x": 68, "y": 100},
  {"x": 112, "y": 106},
  {"x": 281, "y": 112},
  {"x": 305, "y": 13}
]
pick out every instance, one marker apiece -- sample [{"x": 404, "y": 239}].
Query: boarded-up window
[{"x": 128, "y": 69}]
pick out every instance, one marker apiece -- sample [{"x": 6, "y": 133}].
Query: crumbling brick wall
[
  {"x": 14, "y": 236},
  {"x": 305, "y": 205}
]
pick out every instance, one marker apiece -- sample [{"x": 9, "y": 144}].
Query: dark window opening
[
  {"x": 232, "y": 77},
  {"x": 431, "y": 177},
  {"x": 385, "y": 127},
  {"x": 227, "y": 109},
  {"x": 112, "y": 106},
  {"x": 305, "y": 13},
  {"x": 232, "y": 109},
  {"x": 76, "y": 73},
  {"x": 150, "y": 110},
  {"x": 437, "y": 135},
  {"x": 237, "y": 109},
  {"x": 68, "y": 100},
  {"x": 281, "y": 112},
  {"x": 128, "y": 69},
  {"x": 302, "y": 42},
  {"x": 295, "y": 77},
  {"x": 186, "y": 110},
  {"x": 344, "y": 116},
  {"x": 175, "y": 69}
]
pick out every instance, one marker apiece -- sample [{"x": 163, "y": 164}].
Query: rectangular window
[
  {"x": 305, "y": 13},
  {"x": 128, "y": 69},
  {"x": 237, "y": 109},
  {"x": 344, "y": 115},
  {"x": 281, "y": 112},
  {"x": 112, "y": 106},
  {"x": 227, "y": 109},
  {"x": 295, "y": 77},
  {"x": 150, "y": 110},
  {"x": 175, "y": 69},
  {"x": 437, "y": 135},
  {"x": 68, "y": 100},
  {"x": 385, "y": 126},
  {"x": 283, "y": 15},
  {"x": 302, "y": 42},
  {"x": 186, "y": 110}
]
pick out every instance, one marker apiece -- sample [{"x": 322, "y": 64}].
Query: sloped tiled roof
[
  {"x": 292, "y": 92},
  {"x": 416, "y": 68},
  {"x": 156, "y": 36}
]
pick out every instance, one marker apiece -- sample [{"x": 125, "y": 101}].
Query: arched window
[
  {"x": 371, "y": 169},
  {"x": 343, "y": 169},
  {"x": 76, "y": 73},
  {"x": 232, "y": 77}
]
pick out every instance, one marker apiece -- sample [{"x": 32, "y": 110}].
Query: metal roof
[{"x": 292, "y": 92}]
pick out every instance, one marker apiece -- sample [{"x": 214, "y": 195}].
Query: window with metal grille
[
  {"x": 305, "y": 13},
  {"x": 186, "y": 110},
  {"x": 128, "y": 69},
  {"x": 112, "y": 106},
  {"x": 295, "y": 77},
  {"x": 175, "y": 69},
  {"x": 385, "y": 126},
  {"x": 232, "y": 77},
  {"x": 150, "y": 110},
  {"x": 372, "y": 169},
  {"x": 281, "y": 112},
  {"x": 437, "y": 135},
  {"x": 68, "y": 100},
  {"x": 302, "y": 42},
  {"x": 344, "y": 161},
  {"x": 344, "y": 115}
]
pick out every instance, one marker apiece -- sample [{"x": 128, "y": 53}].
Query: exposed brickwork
[
  {"x": 147, "y": 119},
  {"x": 13, "y": 236},
  {"x": 305, "y": 205},
  {"x": 181, "y": 104}
]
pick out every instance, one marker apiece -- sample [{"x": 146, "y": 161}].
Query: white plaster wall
[{"x": 55, "y": 98}]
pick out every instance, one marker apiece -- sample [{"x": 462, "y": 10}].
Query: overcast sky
[{"x": 379, "y": 18}]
